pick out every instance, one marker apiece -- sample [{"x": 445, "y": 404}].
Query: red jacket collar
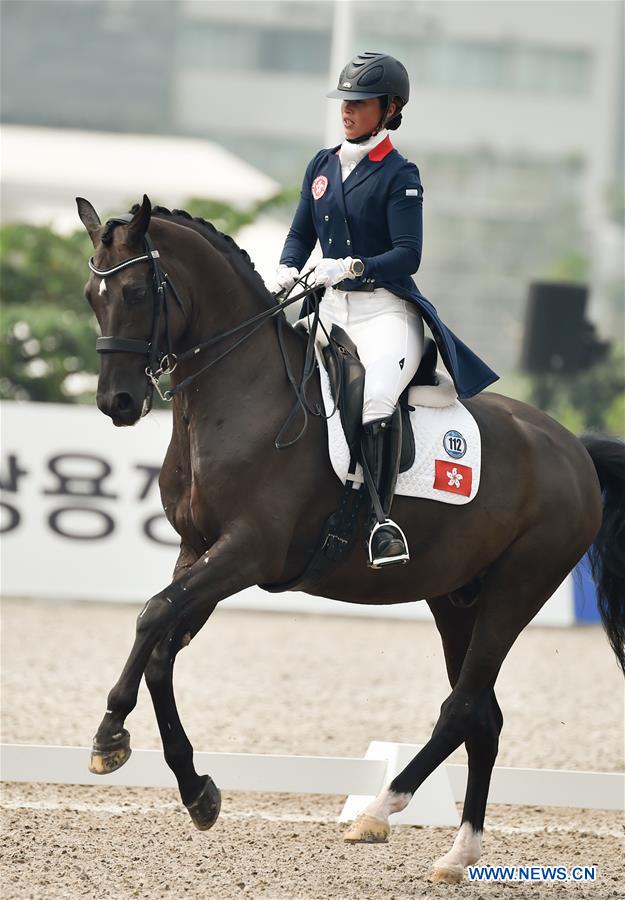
[{"x": 383, "y": 149}]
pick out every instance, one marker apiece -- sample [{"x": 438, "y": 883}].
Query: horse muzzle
[{"x": 122, "y": 407}]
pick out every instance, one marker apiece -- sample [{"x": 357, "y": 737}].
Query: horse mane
[{"x": 226, "y": 245}]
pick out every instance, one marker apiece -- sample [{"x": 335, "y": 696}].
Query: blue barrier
[{"x": 584, "y": 593}]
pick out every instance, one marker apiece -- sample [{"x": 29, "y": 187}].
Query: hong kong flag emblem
[{"x": 452, "y": 477}]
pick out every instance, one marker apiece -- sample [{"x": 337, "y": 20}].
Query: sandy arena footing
[{"x": 272, "y": 683}]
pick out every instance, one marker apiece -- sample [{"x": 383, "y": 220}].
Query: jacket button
[
  {"x": 329, "y": 240},
  {"x": 327, "y": 218},
  {"x": 349, "y": 243}
]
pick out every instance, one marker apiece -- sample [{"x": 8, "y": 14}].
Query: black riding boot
[{"x": 381, "y": 448}]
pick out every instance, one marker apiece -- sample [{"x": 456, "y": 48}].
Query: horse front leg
[
  {"x": 198, "y": 793},
  {"x": 229, "y": 566}
]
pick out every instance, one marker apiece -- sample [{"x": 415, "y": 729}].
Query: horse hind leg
[
  {"x": 373, "y": 826},
  {"x": 456, "y": 627},
  {"x": 482, "y": 745},
  {"x": 514, "y": 590},
  {"x": 454, "y": 621},
  {"x": 199, "y": 794}
]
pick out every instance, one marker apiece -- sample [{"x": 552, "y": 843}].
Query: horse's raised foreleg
[
  {"x": 199, "y": 793},
  {"x": 229, "y": 566}
]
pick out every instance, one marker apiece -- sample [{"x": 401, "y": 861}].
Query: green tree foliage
[
  {"x": 48, "y": 354},
  {"x": 39, "y": 266},
  {"x": 229, "y": 219},
  {"x": 47, "y": 338}
]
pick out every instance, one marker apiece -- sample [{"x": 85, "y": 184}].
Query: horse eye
[{"x": 133, "y": 293}]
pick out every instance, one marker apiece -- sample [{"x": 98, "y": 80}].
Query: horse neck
[{"x": 255, "y": 369}]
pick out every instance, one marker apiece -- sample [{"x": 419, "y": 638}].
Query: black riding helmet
[{"x": 374, "y": 75}]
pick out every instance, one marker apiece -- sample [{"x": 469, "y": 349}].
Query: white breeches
[{"x": 388, "y": 332}]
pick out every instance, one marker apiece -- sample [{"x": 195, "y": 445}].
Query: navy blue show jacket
[{"x": 376, "y": 215}]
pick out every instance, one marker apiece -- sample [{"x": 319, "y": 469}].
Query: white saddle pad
[{"x": 447, "y": 444}]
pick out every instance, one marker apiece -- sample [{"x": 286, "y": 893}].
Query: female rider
[{"x": 363, "y": 201}]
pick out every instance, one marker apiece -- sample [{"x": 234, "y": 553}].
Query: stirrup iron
[{"x": 381, "y": 561}]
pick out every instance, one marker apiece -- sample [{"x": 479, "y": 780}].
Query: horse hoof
[
  {"x": 367, "y": 830},
  {"x": 205, "y": 809},
  {"x": 451, "y": 873},
  {"x": 105, "y": 760}
]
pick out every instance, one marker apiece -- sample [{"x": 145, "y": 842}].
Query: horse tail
[{"x": 607, "y": 554}]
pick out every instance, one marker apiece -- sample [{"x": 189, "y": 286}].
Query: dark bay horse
[{"x": 248, "y": 513}]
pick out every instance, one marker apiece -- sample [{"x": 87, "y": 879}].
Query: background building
[{"x": 515, "y": 119}]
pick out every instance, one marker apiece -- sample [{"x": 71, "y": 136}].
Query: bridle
[{"x": 159, "y": 365}]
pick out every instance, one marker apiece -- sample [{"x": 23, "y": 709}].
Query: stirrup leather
[{"x": 381, "y": 561}]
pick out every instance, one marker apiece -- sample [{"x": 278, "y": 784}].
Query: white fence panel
[{"x": 360, "y": 778}]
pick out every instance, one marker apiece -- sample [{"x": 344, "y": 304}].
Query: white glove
[
  {"x": 284, "y": 279},
  {"x": 331, "y": 271}
]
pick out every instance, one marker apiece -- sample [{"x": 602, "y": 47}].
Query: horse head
[{"x": 127, "y": 292}]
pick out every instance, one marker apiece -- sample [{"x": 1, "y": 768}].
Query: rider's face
[{"x": 360, "y": 117}]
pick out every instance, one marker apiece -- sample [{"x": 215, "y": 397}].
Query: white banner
[
  {"x": 81, "y": 516},
  {"x": 81, "y": 510}
]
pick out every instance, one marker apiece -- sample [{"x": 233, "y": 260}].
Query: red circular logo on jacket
[{"x": 319, "y": 186}]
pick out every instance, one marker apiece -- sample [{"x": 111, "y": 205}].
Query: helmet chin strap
[{"x": 384, "y": 116}]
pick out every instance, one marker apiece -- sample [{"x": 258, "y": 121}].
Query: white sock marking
[
  {"x": 386, "y": 803},
  {"x": 466, "y": 849}
]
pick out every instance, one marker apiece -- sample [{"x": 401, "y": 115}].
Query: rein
[{"x": 165, "y": 364}]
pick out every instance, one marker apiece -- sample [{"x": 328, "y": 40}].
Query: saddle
[
  {"x": 346, "y": 375},
  {"x": 347, "y": 381}
]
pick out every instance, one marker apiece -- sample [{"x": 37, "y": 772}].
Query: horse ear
[
  {"x": 90, "y": 219},
  {"x": 140, "y": 222}
]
